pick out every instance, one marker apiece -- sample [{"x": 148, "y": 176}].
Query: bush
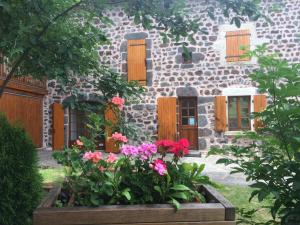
[
  {"x": 272, "y": 160},
  {"x": 20, "y": 182}
]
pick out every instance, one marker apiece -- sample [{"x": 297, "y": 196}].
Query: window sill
[{"x": 235, "y": 133}]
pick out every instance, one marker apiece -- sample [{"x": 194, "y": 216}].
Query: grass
[
  {"x": 238, "y": 195},
  {"x": 52, "y": 175}
]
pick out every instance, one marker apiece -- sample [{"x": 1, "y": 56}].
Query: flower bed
[{"x": 216, "y": 211}]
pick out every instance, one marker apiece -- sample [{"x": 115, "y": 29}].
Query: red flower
[
  {"x": 165, "y": 143},
  {"x": 180, "y": 148}
]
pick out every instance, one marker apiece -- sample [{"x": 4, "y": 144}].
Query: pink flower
[
  {"x": 118, "y": 102},
  {"x": 159, "y": 166},
  {"x": 97, "y": 157},
  {"x": 119, "y": 137},
  {"x": 111, "y": 158},
  {"x": 88, "y": 155},
  {"x": 79, "y": 143},
  {"x": 94, "y": 156},
  {"x": 147, "y": 150},
  {"x": 102, "y": 169},
  {"x": 129, "y": 150}
]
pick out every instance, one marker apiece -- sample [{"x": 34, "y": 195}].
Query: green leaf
[
  {"x": 175, "y": 203},
  {"x": 126, "y": 194},
  {"x": 180, "y": 187},
  {"x": 180, "y": 195}
]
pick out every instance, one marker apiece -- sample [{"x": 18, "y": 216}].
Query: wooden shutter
[
  {"x": 58, "y": 126},
  {"x": 136, "y": 61},
  {"x": 166, "y": 111},
  {"x": 220, "y": 114},
  {"x": 110, "y": 115},
  {"x": 234, "y": 41},
  {"x": 1, "y": 66},
  {"x": 260, "y": 104}
]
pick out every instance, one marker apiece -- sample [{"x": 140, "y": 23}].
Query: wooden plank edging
[{"x": 213, "y": 194}]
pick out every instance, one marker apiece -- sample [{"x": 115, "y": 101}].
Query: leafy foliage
[
  {"x": 59, "y": 39},
  {"x": 137, "y": 177},
  {"x": 20, "y": 182},
  {"x": 272, "y": 161}
]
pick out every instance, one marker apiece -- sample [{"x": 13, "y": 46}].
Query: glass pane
[
  {"x": 233, "y": 124},
  {"x": 245, "y": 101},
  {"x": 245, "y": 112},
  {"x": 184, "y": 112},
  {"x": 245, "y": 123},
  {"x": 192, "y": 121},
  {"x": 185, "y": 103},
  {"x": 192, "y": 112},
  {"x": 185, "y": 121},
  {"x": 232, "y": 112}
]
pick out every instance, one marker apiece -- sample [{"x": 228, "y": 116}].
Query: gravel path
[{"x": 216, "y": 172}]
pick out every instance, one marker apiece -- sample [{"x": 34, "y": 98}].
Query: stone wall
[{"x": 207, "y": 74}]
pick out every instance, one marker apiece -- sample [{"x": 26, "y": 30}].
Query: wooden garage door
[{"x": 25, "y": 109}]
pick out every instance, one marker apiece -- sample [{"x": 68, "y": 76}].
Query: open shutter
[
  {"x": 220, "y": 113},
  {"x": 234, "y": 41},
  {"x": 1, "y": 66},
  {"x": 58, "y": 126},
  {"x": 110, "y": 145},
  {"x": 260, "y": 104},
  {"x": 166, "y": 111},
  {"x": 136, "y": 61}
]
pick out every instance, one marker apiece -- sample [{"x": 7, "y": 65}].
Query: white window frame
[{"x": 232, "y": 92}]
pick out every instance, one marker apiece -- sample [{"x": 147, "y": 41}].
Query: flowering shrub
[
  {"x": 140, "y": 175},
  {"x": 119, "y": 102}
]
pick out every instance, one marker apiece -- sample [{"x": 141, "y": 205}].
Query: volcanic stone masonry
[{"x": 206, "y": 76}]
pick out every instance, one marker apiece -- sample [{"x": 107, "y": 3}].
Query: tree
[
  {"x": 58, "y": 39},
  {"x": 272, "y": 160}
]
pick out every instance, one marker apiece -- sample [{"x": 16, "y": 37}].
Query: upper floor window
[
  {"x": 237, "y": 43},
  {"x": 136, "y": 61}
]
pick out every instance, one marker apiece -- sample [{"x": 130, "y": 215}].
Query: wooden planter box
[{"x": 218, "y": 211}]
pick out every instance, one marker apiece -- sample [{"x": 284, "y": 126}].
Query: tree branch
[{"x": 28, "y": 49}]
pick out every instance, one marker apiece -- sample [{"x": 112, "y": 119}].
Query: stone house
[{"x": 207, "y": 98}]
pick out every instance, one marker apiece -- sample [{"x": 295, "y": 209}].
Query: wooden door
[
  {"x": 188, "y": 120},
  {"x": 58, "y": 141},
  {"x": 166, "y": 113},
  {"x": 27, "y": 110}
]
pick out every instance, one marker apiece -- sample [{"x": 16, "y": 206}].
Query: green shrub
[{"x": 20, "y": 182}]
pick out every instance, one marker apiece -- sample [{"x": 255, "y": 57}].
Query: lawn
[{"x": 238, "y": 195}]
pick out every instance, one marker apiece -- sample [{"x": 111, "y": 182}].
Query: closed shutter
[
  {"x": 220, "y": 114},
  {"x": 166, "y": 111},
  {"x": 1, "y": 66},
  {"x": 58, "y": 126},
  {"x": 136, "y": 61},
  {"x": 110, "y": 116},
  {"x": 234, "y": 41},
  {"x": 260, "y": 104}
]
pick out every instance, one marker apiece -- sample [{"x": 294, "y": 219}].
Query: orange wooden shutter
[
  {"x": 58, "y": 126},
  {"x": 166, "y": 111},
  {"x": 260, "y": 104},
  {"x": 110, "y": 115},
  {"x": 136, "y": 61},
  {"x": 234, "y": 41},
  {"x": 220, "y": 114},
  {"x": 1, "y": 66}
]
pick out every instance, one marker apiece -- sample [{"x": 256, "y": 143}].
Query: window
[
  {"x": 78, "y": 121},
  {"x": 187, "y": 57},
  {"x": 239, "y": 108},
  {"x": 188, "y": 111},
  {"x": 136, "y": 61},
  {"x": 237, "y": 43}
]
